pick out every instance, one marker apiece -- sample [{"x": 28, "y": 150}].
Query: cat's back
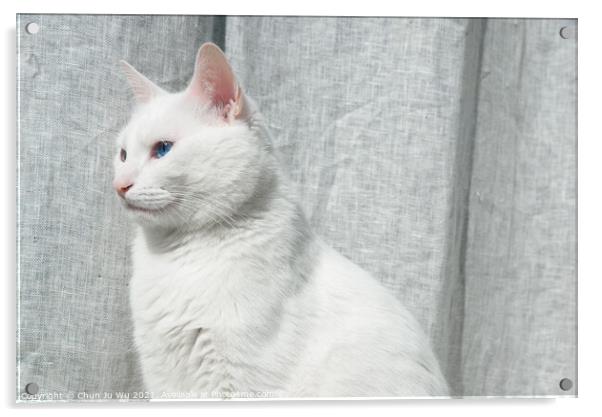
[{"x": 367, "y": 341}]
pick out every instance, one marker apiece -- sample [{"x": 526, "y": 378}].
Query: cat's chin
[
  {"x": 141, "y": 209},
  {"x": 144, "y": 210}
]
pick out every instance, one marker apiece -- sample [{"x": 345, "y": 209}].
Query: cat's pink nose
[{"x": 122, "y": 189}]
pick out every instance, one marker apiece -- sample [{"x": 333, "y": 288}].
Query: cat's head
[{"x": 188, "y": 157}]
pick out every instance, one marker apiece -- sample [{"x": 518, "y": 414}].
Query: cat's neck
[{"x": 271, "y": 252}]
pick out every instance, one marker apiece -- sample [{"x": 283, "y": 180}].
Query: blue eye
[{"x": 161, "y": 148}]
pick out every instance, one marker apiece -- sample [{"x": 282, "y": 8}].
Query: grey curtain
[{"x": 439, "y": 154}]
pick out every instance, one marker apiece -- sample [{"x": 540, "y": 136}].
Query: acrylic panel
[{"x": 437, "y": 154}]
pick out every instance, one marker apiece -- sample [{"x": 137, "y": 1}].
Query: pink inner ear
[
  {"x": 221, "y": 86},
  {"x": 213, "y": 80}
]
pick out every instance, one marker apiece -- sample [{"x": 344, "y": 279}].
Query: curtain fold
[
  {"x": 439, "y": 154},
  {"x": 520, "y": 323}
]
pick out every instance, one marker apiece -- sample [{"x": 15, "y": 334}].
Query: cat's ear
[
  {"x": 144, "y": 89},
  {"x": 214, "y": 82}
]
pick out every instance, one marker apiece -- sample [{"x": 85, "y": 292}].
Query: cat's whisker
[
  {"x": 212, "y": 213},
  {"x": 217, "y": 207}
]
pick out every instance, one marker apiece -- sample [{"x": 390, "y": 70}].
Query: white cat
[{"x": 232, "y": 294}]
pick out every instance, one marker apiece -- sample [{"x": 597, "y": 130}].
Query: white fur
[{"x": 232, "y": 294}]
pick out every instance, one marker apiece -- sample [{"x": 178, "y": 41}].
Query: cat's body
[{"x": 232, "y": 294}]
